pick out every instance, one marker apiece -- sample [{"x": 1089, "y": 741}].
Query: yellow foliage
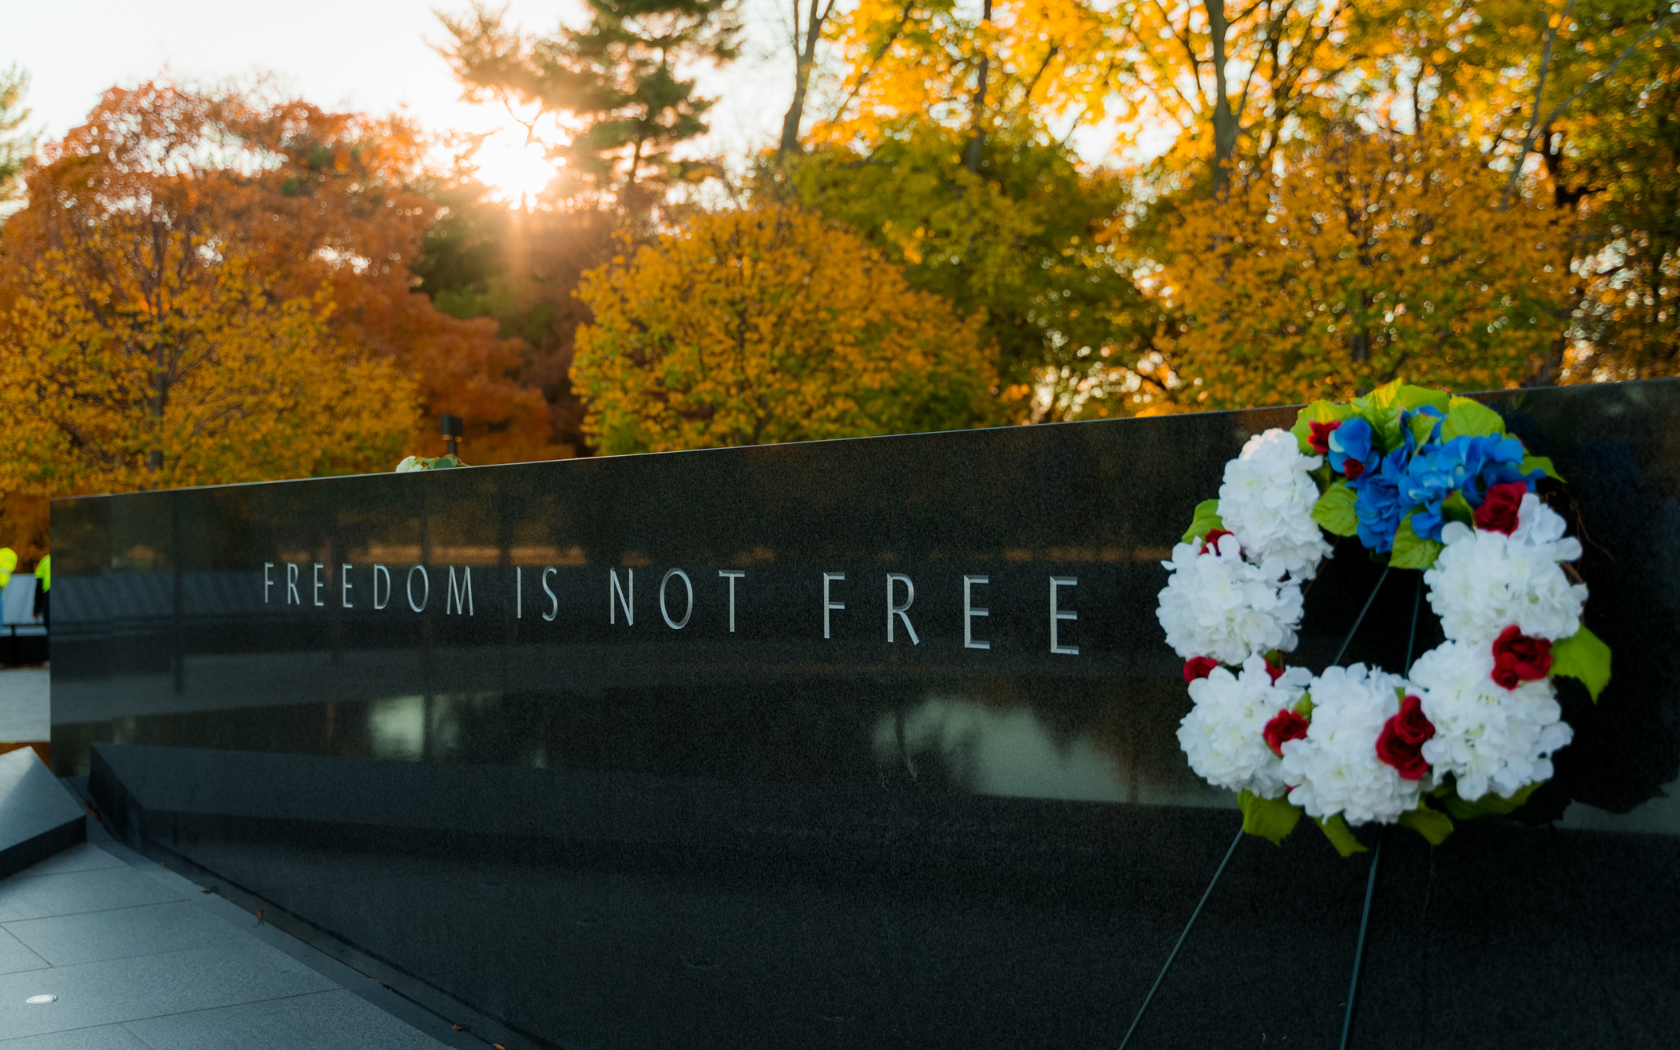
[
  {"x": 1371, "y": 258},
  {"x": 171, "y": 366},
  {"x": 769, "y": 325}
]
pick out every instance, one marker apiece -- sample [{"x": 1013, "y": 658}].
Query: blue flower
[
  {"x": 1353, "y": 448},
  {"x": 1464, "y": 464},
  {"x": 1381, "y": 503},
  {"x": 1501, "y": 462}
]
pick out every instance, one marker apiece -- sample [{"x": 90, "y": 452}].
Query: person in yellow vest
[
  {"x": 8, "y": 562},
  {"x": 43, "y": 584}
]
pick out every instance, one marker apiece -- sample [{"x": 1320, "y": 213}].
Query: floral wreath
[{"x": 1426, "y": 481}]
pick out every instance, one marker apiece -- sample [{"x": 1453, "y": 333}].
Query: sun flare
[{"x": 514, "y": 170}]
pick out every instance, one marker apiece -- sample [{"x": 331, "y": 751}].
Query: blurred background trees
[{"x": 994, "y": 211}]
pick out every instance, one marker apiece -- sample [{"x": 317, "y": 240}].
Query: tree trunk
[
  {"x": 1224, "y": 121},
  {"x": 804, "y": 60},
  {"x": 977, "y": 141}
]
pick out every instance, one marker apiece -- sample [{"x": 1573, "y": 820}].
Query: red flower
[
  {"x": 1274, "y": 670},
  {"x": 1498, "y": 512},
  {"x": 1318, "y": 435},
  {"x": 1517, "y": 658},
  {"x": 1211, "y": 540},
  {"x": 1285, "y": 725},
  {"x": 1353, "y": 468},
  {"x": 1198, "y": 667},
  {"x": 1401, "y": 742}
]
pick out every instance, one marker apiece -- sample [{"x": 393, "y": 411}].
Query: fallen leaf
[{"x": 259, "y": 917}]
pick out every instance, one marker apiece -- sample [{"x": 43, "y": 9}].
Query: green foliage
[
  {"x": 1019, "y": 240},
  {"x": 1206, "y": 519},
  {"x": 1270, "y": 818},
  {"x": 1386, "y": 425},
  {"x": 1456, "y": 508},
  {"x": 1402, "y": 395},
  {"x": 1412, "y": 551},
  {"x": 16, "y": 145},
  {"x": 617, "y": 81},
  {"x": 1489, "y": 805},
  {"x": 1530, "y": 463},
  {"x": 1335, "y": 510},
  {"x": 1432, "y": 824},
  {"x": 1317, "y": 412},
  {"x": 1583, "y": 656},
  {"x": 1467, "y": 418},
  {"x": 1340, "y": 835}
]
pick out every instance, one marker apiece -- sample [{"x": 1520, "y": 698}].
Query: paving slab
[
  {"x": 65, "y": 940},
  {"x": 95, "y": 889},
  {"x": 81, "y": 857},
  {"x": 104, "y": 1037},
  {"x": 141, "y": 958},
  {"x": 334, "y": 1020},
  {"x": 16, "y": 956},
  {"x": 119, "y": 990},
  {"x": 25, "y": 703}
]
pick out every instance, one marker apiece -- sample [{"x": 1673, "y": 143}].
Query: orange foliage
[
  {"x": 1371, "y": 259},
  {"x": 767, "y": 325},
  {"x": 315, "y": 202}
]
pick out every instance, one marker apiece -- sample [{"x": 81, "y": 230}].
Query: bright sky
[{"x": 368, "y": 55}]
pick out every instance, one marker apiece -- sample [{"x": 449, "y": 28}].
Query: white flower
[
  {"x": 1223, "y": 733},
  {"x": 1219, "y": 605},
  {"x": 1335, "y": 768},
  {"x": 1489, "y": 737},
  {"x": 1483, "y": 582},
  {"x": 1267, "y": 501},
  {"x": 410, "y": 463}
]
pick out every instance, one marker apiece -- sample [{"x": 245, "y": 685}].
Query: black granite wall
[{"x": 605, "y": 830}]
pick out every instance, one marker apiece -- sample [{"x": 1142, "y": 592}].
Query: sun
[{"x": 514, "y": 170}]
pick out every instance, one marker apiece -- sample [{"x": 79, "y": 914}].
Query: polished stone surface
[{"x": 606, "y": 830}]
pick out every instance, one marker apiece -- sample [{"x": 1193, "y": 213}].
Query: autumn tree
[
  {"x": 1020, "y": 242},
  {"x": 518, "y": 268},
  {"x": 1372, "y": 257},
  {"x": 768, "y": 325},
  {"x": 164, "y": 362},
  {"x": 312, "y": 201},
  {"x": 16, "y": 144}
]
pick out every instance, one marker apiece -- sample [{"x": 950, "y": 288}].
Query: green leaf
[
  {"x": 1270, "y": 818},
  {"x": 1423, "y": 428},
  {"x": 1456, "y": 508},
  {"x": 1489, "y": 805},
  {"x": 1305, "y": 705},
  {"x": 1205, "y": 520},
  {"x": 1340, "y": 835},
  {"x": 1543, "y": 463},
  {"x": 1317, "y": 412},
  {"x": 1432, "y": 824},
  {"x": 1467, "y": 418},
  {"x": 1334, "y": 510},
  {"x": 1584, "y": 656},
  {"x": 1401, "y": 395},
  {"x": 1385, "y": 425},
  {"x": 1412, "y": 551},
  {"x": 445, "y": 462}
]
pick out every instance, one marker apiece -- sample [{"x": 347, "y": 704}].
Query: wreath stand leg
[
  {"x": 1174, "y": 954},
  {"x": 1382, "y": 834},
  {"x": 1221, "y": 869}
]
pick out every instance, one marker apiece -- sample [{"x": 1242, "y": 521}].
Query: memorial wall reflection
[{"x": 904, "y": 699}]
